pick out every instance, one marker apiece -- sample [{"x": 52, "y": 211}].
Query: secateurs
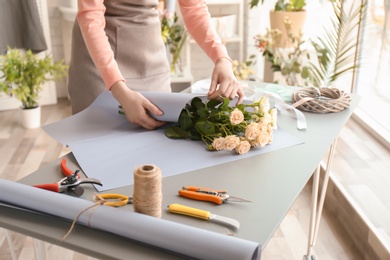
[
  {"x": 69, "y": 184},
  {"x": 207, "y": 194}
]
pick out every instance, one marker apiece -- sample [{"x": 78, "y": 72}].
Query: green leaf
[
  {"x": 176, "y": 132},
  {"x": 193, "y": 134},
  {"x": 305, "y": 73},
  {"x": 205, "y": 127},
  {"x": 225, "y": 105},
  {"x": 203, "y": 113},
  {"x": 197, "y": 103},
  {"x": 213, "y": 103},
  {"x": 185, "y": 120}
]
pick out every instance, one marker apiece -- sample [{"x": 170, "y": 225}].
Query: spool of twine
[{"x": 147, "y": 196}]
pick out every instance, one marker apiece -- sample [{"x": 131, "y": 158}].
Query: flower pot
[
  {"x": 277, "y": 21},
  {"x": 31, "y": 117}
]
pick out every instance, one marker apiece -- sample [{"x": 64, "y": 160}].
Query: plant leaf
[{"x": 176, "y": 132}]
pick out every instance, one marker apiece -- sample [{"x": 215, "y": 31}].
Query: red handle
[
  {"x": 65, "y": 170},
  {"x": 200, "y": 196},
  {"x": 51, "y": 187}
]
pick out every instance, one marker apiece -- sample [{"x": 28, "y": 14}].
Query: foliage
[
  {"x": 223, "y": 127},
  {"x": 291, "y": 62},
  {"x": 242, "y": 70},
  {"x": 337, "y": 47},
  {"x": 283, "y": 5},
  {"x": 174, "y": 36},
  {"x": 24, "y": 73}
]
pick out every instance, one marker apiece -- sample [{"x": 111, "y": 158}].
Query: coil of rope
[{"x": 321, "y": 100}]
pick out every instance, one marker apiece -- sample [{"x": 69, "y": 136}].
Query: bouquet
[{"x": 222, "y": 127}]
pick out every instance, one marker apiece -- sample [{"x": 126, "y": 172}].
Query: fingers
[
  {"x": 227, "y": 89},
  {"x": 213, "y": 86},
  {"x": 145, "y": 120}
]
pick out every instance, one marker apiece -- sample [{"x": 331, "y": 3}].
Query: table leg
[
  {"x": 10, "y": 244},
  {"x": 317, "y": 206},
  {"x": 40, "y": 249}
]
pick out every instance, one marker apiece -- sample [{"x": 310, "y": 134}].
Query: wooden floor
[{"x": 24, "y": 151}]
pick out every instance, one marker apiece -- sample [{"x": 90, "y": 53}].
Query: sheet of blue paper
[{"x": 109, "y": 148}]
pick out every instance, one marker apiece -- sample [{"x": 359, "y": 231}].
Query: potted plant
[
  {"x": 174, "y": 36},
  {"x": 291, "y": 63},
  {"x": 291, "y": 10},
  {"x": 22, "y": 75}
]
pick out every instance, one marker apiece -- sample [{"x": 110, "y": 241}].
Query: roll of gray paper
[{"x": 186, "y": 240}]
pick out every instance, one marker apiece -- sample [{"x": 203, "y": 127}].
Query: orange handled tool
[
  {"x": 200, "y": 196},
  {"x": 207, "y": 194},
  {"x": 71, "y": 182}
]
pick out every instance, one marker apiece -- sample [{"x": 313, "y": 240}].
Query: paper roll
[{"x": 186, "y": 240}]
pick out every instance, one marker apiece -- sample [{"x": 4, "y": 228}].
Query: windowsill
[{"x": 372, "y": 127}]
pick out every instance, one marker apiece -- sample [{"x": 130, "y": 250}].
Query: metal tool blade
[
  {"x": 203, "y": 214},
  {"x": 224, "y": 220},
  {"x": 75, "y": 191}
]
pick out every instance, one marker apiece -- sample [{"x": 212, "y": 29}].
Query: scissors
[
  {"x": 70, "y": 184},
  {"x": 207, "y": 194},
  {"x": 113, "y": 199}
]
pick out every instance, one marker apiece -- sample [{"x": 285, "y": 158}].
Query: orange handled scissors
[
  {"x": 113, "y": 199},
  {"x": 207, "y": 194}
]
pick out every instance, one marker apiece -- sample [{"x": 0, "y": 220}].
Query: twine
[
  {"x": 94, "y": 207},
  {"x": 147, "y": 196},
  {"x": 321, "y": 100}
]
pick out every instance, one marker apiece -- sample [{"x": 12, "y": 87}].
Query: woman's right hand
[{"x": 136, "y": 106}]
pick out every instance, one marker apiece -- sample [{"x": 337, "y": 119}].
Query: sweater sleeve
[
  {"x": 197, "y": 20},
  {"x": 91, "y": 20}
]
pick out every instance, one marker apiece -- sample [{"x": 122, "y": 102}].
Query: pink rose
[
  {"x": 264, "y": 104},
  {"x": 263, "y": 139},
  {"x": 218, "y": 143},
  {"x": 168, "y": 14},
  {"x": 231, "y": 142},
  {"x": 243, "y": 147},
  {"x": 236, "y": 116},
  {"x": 251, "y": 131}
]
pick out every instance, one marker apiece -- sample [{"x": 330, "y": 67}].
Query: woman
[{"x": 117, "y": 45}]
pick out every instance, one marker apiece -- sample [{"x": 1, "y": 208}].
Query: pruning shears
[
  {"x": 207, "y": 194},
  {"x": 70, "y": 184}
]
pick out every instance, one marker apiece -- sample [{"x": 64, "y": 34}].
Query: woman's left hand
[{"x": 224, "y": 83}]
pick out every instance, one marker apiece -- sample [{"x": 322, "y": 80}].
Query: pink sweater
[{"x": 91, "y": 20}]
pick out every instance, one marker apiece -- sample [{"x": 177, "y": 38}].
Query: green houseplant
[
  {"x": 338, "y": 46},
  {"x": 292, "y": 10},
  {"x": 23, "y": 73},
  {"x": 174, "y": 36},
  {"x": 282, "y": 5},
  {"x": 292, "y": 63}
]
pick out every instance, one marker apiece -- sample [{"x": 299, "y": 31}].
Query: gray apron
[{"x": 134, "y": 33}]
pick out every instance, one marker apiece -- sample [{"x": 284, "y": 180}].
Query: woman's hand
[
  {"x": 136, "y": 106},
  {"x": 228, "y": 85}
]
